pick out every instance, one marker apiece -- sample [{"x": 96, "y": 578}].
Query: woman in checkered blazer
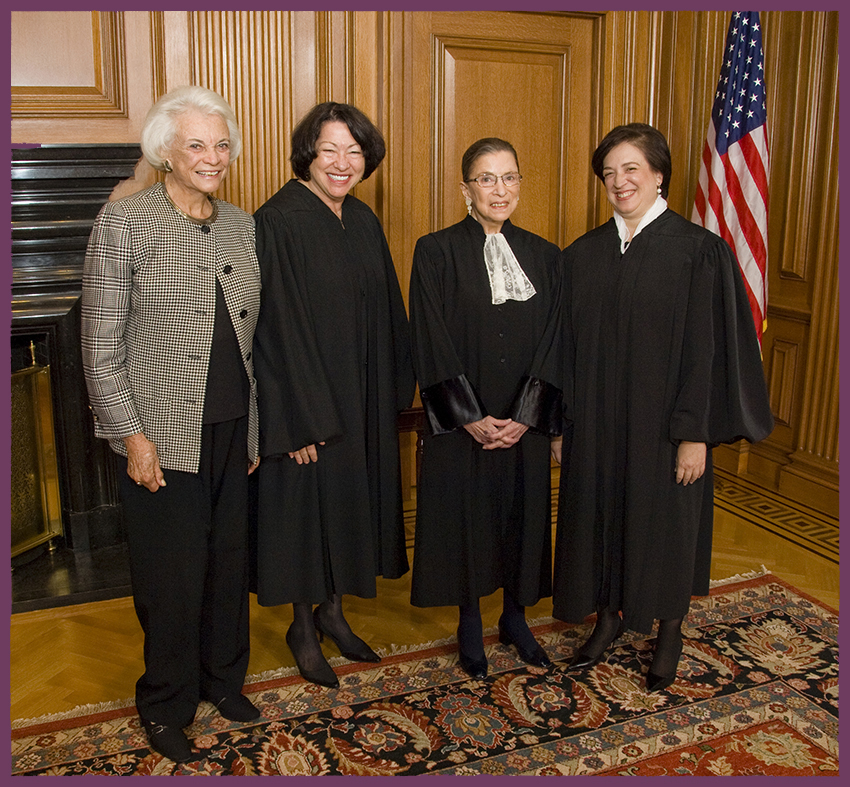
[{"x": 171, "y": 293}]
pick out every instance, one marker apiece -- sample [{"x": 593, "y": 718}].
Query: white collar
[{"x": 658, "y": 207}]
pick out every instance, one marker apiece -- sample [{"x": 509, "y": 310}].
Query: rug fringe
[
  {"x": 80, "y": 710},
  {"x": 755, "y": 574}
]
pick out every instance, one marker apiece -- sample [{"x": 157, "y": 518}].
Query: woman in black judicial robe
[
  {"x": 332, "y": 360},
  {"x": 484, "y": 350},
  {"x": 662, "y": 364}
]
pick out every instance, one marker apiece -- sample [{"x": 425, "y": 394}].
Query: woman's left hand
[
  {"x": 506, "y": 436},
  {"x": 690, "y": 462},
  {"x": 253, "y": 466},
  {"x": 556, "y": 444}
]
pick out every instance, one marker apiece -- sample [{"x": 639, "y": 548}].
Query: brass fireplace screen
[{"x": 36, "y": 508}]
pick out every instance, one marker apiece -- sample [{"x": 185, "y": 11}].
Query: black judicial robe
[
  {"x": 483, "y": 518},
  {"x": 332, "y": 363},
  {"x": 660, "y": 347}
]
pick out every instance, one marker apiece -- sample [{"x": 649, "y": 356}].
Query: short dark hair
[
  {"x": 309, "y": 128},
  {"x": 651, "y": 142},
  {"x": 484, "y": 147}
]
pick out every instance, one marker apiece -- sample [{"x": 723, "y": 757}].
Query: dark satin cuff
[
  {"x": 538, "y": 405},
  {"x": 451, "y": 404}
]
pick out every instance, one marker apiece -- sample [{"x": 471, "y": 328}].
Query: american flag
[{"x": 732, "y": 198}]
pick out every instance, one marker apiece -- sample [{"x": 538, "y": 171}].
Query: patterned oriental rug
[{"x": 757, "y": 693}]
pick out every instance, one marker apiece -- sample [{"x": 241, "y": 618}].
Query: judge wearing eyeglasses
[{"x": 484, "y": 304}]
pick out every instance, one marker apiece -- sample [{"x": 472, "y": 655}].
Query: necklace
[{"x": 209, "y": 220}]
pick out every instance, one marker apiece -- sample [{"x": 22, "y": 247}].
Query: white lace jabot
[{"x": 507, "y": 279}]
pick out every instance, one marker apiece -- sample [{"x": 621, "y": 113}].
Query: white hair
[{"x": 160, "y": 126}]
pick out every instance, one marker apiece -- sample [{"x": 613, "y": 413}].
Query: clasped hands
[{"x": 496, "y": 432}]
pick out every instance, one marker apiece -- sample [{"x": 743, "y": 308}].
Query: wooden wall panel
[
  {"x": 69, "y": 36},
  {"x": 553, "y": 82},
  {"x": 86, "y": 74}
]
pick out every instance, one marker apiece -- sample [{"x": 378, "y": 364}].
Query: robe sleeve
[
  {"x": 295, "y": 401},
  {"x": 723, "y": 394},
  {"x": 404, "y": 379},
  {"x": 566, "y": 371},
  {"x": 448, "y": 398},
  {"x": 539, "y": 400}
]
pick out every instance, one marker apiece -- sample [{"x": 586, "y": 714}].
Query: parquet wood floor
[{"x": 92, "y": 653}]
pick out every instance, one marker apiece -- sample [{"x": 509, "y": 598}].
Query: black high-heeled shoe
[
  {"x": 322, "y": 676},
  {"x": 536, "y": 657},
  {"x": 582, "y": 660},
  {"x": 362, "y": 653},
  {"x": 656, "y": 682}
]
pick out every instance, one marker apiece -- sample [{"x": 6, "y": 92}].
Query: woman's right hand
[
  {"x": 485, "y": 430},
  {"x": 306, "y": 454},
  {"x": 143, "y": 462}
]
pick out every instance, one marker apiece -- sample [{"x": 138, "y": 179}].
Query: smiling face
[
  {"x": 339, "y": 165},
  {"x": 491, "y": 207},
  {"x": 199, "y": 156},
  {"x": 631, "y": 184}
]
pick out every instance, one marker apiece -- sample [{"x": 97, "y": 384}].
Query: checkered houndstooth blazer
[{"x": 148, "y": 308}]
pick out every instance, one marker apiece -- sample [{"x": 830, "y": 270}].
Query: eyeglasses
[{"x": 488, "y": 180}]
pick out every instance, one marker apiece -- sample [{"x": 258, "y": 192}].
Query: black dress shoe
[
  {"x": 170, "y": 742},
  {"x": 321, "y": 676},
  {"x": 582, "y": 660},
  {"x": 656, "y": 682},
  {"x": 536, "y": 657},
  {"x": 474, "y": 668},
  {"x": 235, "y": 707},
  {"x": 357, "y": 650}
]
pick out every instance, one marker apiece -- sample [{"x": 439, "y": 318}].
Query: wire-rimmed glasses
[{"x": 487, "y": 180}]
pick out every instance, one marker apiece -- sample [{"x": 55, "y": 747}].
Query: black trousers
[{"x": 188, "y": 547}]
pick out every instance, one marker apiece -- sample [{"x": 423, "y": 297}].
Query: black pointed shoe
[
  {"x": 359, "y": 650},
  {"x": 656, "y": 682},
  {"x": 582, "y": 660},
  {"x": 536, "y": 657},
  {"x": 235, "y": 707},
  {"x": 170, "y": 742},
  {"x": 322, "y": 676}
]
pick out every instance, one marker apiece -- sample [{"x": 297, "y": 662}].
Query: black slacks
[{"x": 188, "y": 547}]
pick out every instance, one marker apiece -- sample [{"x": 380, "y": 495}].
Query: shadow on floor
[{"x": 61, "y": 577}]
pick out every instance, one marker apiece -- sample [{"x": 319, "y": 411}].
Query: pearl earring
[
  {"x": 658, "y": 189},
  {"x": 469, "y": 205}
]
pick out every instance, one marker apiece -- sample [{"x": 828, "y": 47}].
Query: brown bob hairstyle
[
  {"x": 648, "y": 139},
  {"x": 484, "y": 147},
  {"x": 309, "y": 127}
]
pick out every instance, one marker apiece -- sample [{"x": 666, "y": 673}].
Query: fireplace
[{"x": 57, "y": 191}]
